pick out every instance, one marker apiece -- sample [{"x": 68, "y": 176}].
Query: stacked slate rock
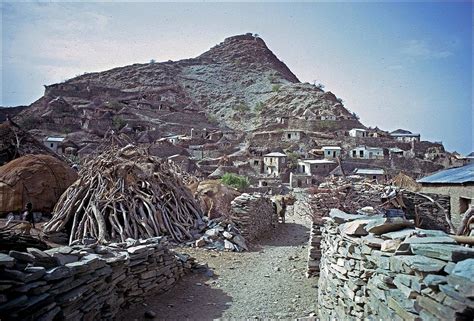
[
  {"x": 85, "y": 282},
  {"x": 314, "y": 252},
  {"x": 375, "y": 268},
  {"x": 222, "y": 234},
  {"x": 253, "y": 215}
]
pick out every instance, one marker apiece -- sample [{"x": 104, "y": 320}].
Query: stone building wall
[
  {"x": 85, "y": 282},
  {"x": 383, "y": 269}
]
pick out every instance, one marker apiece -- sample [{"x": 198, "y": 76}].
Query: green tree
[{"x": 236, "y": 181}]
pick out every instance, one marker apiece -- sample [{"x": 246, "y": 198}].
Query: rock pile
[
  {"x": 85, "y": 282},
  {"x": 379, "y": 268},
  {"x": 253, "y": 215},
  {"x": 223, "y": 235}
]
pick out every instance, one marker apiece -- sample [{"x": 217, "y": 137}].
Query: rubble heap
[
  {"x": 222, "y": 234},
  {"x": 86, "y": 282},
  {"x": 126, "y": 193},
  {"x": 374, "y": 267},
  {"x": 253, "y": 215}
]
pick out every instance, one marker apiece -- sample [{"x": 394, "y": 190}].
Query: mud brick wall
[
  {"x": 376, "y": 268},
  {"x": 85, "y": 282},
  {"x": 253, "y": 214}
]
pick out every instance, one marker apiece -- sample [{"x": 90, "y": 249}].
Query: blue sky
[{"x": 397, "y": 65}]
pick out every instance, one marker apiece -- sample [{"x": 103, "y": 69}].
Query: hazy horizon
[{"x": 397, "y": 65}]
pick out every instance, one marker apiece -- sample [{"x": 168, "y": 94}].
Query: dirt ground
[{"x": 267, "y": 282}]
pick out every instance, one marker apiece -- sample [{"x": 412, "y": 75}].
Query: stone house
[
  {"x": 376, "y": 174},
  {"x": 358, "y": 132},
  {"x": 457, "y": 183},
  {"x": 331, "y": 152},
  {"x": 292, "y": 135},
  {"x": 364, "y": 152},
  {"x": 405, "y": 136},
  {"x": 274, "y": 163}
]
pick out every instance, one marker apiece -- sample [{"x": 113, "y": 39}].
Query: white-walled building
[
  {"x": 358, "y": 132},
  {"x": 274, "y": 163},
  {"x": 53, "y": 143},
  {"x": 331, "y": 151},
  {"x": 292, "y": 135},
  {"x": 365, "y": 152},
  {"x": 405, "y": 136}
]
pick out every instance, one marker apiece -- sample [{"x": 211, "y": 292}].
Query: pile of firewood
[{"x": 125, "y": 193}]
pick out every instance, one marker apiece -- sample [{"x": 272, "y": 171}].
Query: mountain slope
[{"x": 239, "y": 83}]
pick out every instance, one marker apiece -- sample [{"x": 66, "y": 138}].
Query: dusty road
[{"x": 267, "y": 282}]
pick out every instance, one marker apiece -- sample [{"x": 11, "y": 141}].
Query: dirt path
[{"x": 268, "y": 282}]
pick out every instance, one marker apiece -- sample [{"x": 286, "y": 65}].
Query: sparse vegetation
[
  {"x": 236, "y": 181},
  {"x": 355, "y": 115},
  {"x": 340, "y": 100},
  {"x": 292, "y": 160},
  {"x": 118, "y": 122},
  {"x": 152, "y": 61},
  {"x": 30, "y": 122},
  {"x": 115, "y": 104},
  {"x": 243, "y": 108},
  {"x": 259, "y": 107},
  {"x": 276, "y": 88}
]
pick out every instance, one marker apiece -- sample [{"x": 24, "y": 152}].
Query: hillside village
[{"x": 154, "y": 177}]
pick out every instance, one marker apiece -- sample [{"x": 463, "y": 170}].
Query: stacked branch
[{"x": 125, "y": 193}]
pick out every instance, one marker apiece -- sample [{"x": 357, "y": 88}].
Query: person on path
[{"x": 29, "y": 218}]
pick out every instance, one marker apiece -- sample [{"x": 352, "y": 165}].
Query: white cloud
[{"x": 421, "y": 49}]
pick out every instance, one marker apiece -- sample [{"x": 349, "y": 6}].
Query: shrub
[
  {"x": 276, "y": 88},
  {"x": 292, "y": 160},
  {"x": 118, "y": 122},
  {"x": 236, "y": 181},
  {"x": 242, "y": 108},
  {"x": 259, "y": 106}
]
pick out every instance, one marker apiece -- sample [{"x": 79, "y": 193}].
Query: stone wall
[
  {"x": 314, "y": 251},
  {"x": 253, "y": 214},
  {"x": 376, "y": 268},
  {"x": 85, "y": 282}
]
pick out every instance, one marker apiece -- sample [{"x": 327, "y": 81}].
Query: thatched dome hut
[{"x": 39, "y": 179}]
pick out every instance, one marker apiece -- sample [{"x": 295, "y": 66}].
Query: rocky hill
[{"x": 238, "y": 84}]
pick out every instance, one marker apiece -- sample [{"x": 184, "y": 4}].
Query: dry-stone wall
[
  {"x": 377, "y": 268},
  {"x": 314, "y": 252},
  {"x": 254, "y": 215},
  {"x": 85, "y": 282}
]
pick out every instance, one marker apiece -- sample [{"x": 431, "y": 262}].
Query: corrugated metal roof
[
  {"x": 458, "y": 175},
  {"x": 331, "y": 147}
]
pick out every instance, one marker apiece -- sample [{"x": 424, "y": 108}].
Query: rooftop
[
  {"x": 331, "y": 147},
  {"x": 369, "y": 171},
  {"x": 316, "y": 161},
  {"x": 359, "y": 129},
  {"x": 458, "y": 175},
  {"x": 275, "y": 154},
  {"x": 54, "y": 139}
]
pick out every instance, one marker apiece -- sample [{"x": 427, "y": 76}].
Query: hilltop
[{"x": 238, "y": 83}]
